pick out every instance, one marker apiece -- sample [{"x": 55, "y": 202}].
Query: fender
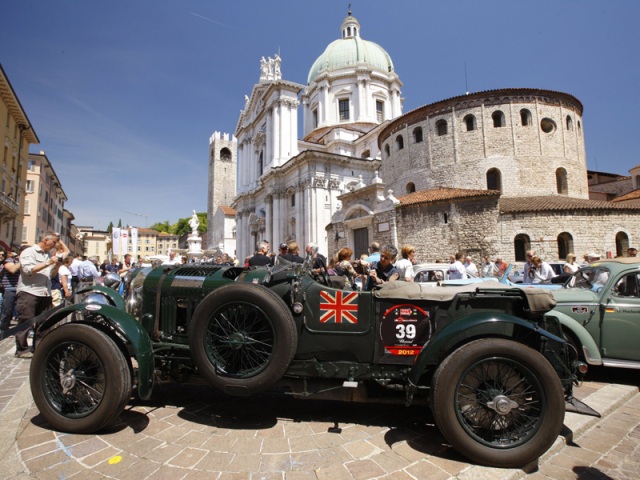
[
  {"x": 128, "y": 327},
  {"x": 110, "y": 293},
  {"x": 589, "y": 347},
  {"x": 483, "y": 324}
]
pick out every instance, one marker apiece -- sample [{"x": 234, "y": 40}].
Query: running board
[
  {"x": 621, "y": 363},
  {"x": 572, "y": 404}
]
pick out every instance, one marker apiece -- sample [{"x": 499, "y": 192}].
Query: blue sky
[{"x": 125, "y": 94}]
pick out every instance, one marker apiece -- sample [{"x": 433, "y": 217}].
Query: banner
[
  {"x": 134, "y": 244},
  {"x": 116, "y": 241},
  {"x": 124, "y": 234}
]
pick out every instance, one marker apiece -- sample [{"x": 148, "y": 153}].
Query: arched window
[
  {"x": 400, "y": 142},
  {"x": 498, "y": 119},
  {"x": 569, "y": 123},
  {"x": 525, "y": 117},
  {"x": 441, "y": 127},
  {"x": 411, "y": 187},
  {"x": 565, "y": 244},
  {"x": 521, "y": 243},
  {"x": 417, "y": 134},
  {"x": 225, "y": 154},
  {"x": 470, "y": 122},
  {"x": 562, "y": 184},
  {"x": 494, "y": 180},
  {"x": 622, "y": 244},
  {"x": 387, "y": 151},
  {"x": 260, "y": 165}
]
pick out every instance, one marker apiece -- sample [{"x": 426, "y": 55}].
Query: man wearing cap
[
  {"x": 591, "y": 257},
  {"x": 261, "y": 257}
]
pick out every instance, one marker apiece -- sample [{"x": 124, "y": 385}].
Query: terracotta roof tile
[
  {"x": 439, "y": 194},
  {"x": 227, "y": 210},
  {"x": 628, "y": 196},
  {"x": 558, "y": 203}
]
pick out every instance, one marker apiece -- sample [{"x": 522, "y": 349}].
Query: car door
[{"x": 620, "y": 326}]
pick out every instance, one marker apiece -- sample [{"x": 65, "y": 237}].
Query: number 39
[{"x": 405, "y": 331}]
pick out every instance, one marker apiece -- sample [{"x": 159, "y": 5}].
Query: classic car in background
[
  {"x": 488, "y": 359},
  {"x": 600, "y": 312}
]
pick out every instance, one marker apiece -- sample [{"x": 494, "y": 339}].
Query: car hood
[{"x": 575, "y": 295}]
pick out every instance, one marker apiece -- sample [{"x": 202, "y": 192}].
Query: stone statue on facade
[{"x": 270, "y": 68}]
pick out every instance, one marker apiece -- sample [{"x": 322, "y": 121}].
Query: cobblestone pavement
[{"x": 190, "y": 432}]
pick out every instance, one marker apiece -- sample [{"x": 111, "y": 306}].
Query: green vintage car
[
  {"x": 600, "y": 312},
  {"x": 487, "y": 359}
]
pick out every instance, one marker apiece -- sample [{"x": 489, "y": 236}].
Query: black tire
[
  {"x": 488, "y": 375},
  {"x": 242, "y": 338},
  {"x": 80, "y": 380}
]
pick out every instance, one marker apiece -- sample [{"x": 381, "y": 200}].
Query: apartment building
[
  {"x": 44, "y": 201},
  {"x": 16, "y": 134}
]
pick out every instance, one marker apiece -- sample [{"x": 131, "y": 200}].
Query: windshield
[{"x": 590, "y": 278}]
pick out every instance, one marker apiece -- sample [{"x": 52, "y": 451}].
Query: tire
[
  {"x": 520, "y": 382},
  {"x": 242, "y": 338},
  {"x": 80, "y": 380}
]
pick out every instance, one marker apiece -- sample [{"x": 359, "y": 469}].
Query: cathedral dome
[{"x": 350, "y": 50}]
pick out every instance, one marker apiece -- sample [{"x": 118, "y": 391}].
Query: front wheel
[
  {"x": 498, "y": 402},
  {"x": 80, "y": 380}
]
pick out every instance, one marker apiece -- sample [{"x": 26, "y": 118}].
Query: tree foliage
[
  {"x": 161, "y": 227},
  {"x": 181, "y": 226}
]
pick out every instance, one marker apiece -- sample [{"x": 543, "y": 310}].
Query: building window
[
  {"x": 562, "y": 182},
  {"x": 547, "y": 125},
  {"x": 525, "y": 117},
  {"x": 380, "y": 110},
  {"x": 315, "y": 118},
  {"x": 344, "y": 109},
  {"x": 27, "y": 207},
  {"x": 387, "y": 151},
  {"x": 442, "y": 127},
  {"x": 569, "y": 123},
  {"x": 293, "y": 199},
  {"x": 411, "y": 187},
  {"x": 366, "y": 154},
  {"x": 622, "y": 244},
  {"x": 521, "y": 244},
  {"x": 565, "y": 244},
  {"x": 29, "y": 188},
  {"x": 417, "y": 135},
  {"x": 260, "y": 165},
  {"x": 399, "y": 142},
  {"x": 494, "y": 180},
  {"x": 470, "y": 122},
  {"x": 498, "y": 119}
]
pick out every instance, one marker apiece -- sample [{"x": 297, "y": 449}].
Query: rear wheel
[
  {"x": 80, "y": 380},
  {"x": 498, "y": 402},
  {"x": 242, "y": 338}
]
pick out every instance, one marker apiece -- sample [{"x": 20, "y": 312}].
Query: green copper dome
[{"x": 351, "y": 50}]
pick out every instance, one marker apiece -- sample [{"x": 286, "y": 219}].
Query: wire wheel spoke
[
  {"x": 240, "y": 340},
  {"x": 74, "y": 380},
  {"x": 499, "y": 402}
]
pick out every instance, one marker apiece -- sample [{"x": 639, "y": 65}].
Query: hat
[
  {"x": 284, "y": 245},
  {"x": 592, "y": 255}
]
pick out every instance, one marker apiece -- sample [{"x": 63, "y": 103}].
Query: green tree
[
  {"x": 182, "y": 226},
  {"x": 110, "y": 228},
  {"x": 161, "y": 226}
]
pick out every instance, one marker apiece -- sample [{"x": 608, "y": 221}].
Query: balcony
[{"x": 9, "y": 208}]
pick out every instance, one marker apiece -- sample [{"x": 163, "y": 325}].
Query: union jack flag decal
[{"x": 338, "y": 307}]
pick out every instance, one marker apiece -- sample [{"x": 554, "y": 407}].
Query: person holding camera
[
  {"x": 541, "y": 272},
  {"x": 383, "y": 271},
  {"x": 34, "y": 288},
  {"x": 529, "y": 271}
]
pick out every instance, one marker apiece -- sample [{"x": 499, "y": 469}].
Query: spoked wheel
[
  {"x": 79, "y": 379},
  {"x": 242, "y": 338},
  {"x": 498, "y": 402}
]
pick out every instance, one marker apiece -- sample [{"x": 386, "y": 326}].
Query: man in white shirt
[
  {"x": 470, "y": 268},
  {"x": 456, "y": 269}
]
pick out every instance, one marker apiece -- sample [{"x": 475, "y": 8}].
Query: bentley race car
[{"x": 489, "y": 360}]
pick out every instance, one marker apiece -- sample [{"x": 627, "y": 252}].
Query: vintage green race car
[
  {"x": 600, "y": 312},
  {"x": 489, "y": 361}
]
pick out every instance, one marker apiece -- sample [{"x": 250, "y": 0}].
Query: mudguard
[
  {"x": 110, "y": 293},
  {"x": 590, "y": 349},
  {"x": 128, "y": 327},
  {"x": 477, "y": 325}
]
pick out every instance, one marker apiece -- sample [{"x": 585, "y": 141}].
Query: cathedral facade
[{"x": 489, "y": 173}]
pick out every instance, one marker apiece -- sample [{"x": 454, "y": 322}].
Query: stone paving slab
[{"x": 189, "y": 431}]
